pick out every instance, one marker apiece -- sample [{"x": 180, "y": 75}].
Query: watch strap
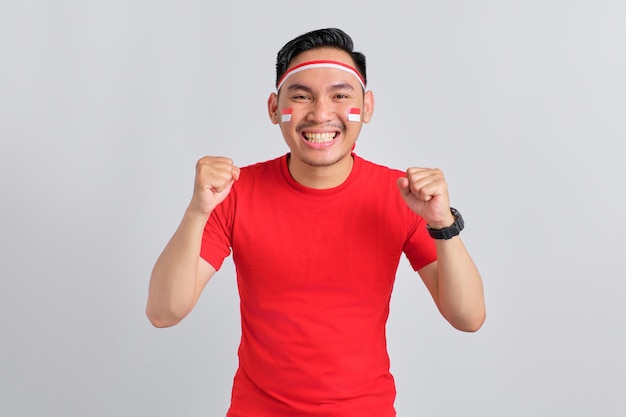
[{"x": 448, "y": 232}]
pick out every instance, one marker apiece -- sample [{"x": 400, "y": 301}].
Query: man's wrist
[
  {"x": 443, "y": 223},
  {"x": 450, "y": 231}
]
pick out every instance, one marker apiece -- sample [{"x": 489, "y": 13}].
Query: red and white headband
[{"x": 320, "y": 64}]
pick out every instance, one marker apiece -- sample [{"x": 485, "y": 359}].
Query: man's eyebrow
[
  {"x": 296, "y": 87},
  {"x": 340, "y": 86},
  {"x": 333, "y": 87}
]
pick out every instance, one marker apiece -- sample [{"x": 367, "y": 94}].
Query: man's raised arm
[
  {"x": 179, "y": 274},
  {"x": 453, "y": 280}
]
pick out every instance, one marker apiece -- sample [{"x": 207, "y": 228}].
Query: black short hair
[{"x": 321, "y": 38}]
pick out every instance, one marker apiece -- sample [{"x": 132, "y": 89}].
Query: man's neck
[{"x": 321, "y": 177}]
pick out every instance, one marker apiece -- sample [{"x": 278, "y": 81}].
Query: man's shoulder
[
  {"x": 261, "y": 165},
  {"x": 378, "y": 168},
  {"x": 263, "y": 169}
]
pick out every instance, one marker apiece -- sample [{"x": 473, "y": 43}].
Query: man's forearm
[
  {"x": 460, "y": 289},
  {"x": 174, "y": 282}
]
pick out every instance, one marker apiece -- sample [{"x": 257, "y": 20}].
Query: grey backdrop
[{"x": 106, "y": 106}]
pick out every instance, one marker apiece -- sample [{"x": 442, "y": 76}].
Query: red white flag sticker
[
  {"x": 286, "y": 114},
  {"x": 354, "y": 114}
]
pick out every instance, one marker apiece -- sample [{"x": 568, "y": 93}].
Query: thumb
[
  {"x": 409, "y": 198},
  {"x": 236, "y": 171},
  {"x": 403, "y": 186}
]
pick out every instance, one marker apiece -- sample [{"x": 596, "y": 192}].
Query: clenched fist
[
  {"x": 215, "y": 176},
  {"x": 425, "y": 191}
]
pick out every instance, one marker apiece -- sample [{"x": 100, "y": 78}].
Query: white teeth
[{"x": 319, "y": 137}]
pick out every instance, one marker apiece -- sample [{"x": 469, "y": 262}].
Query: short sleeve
[
  {"x": 419, "y": 248},
  {"x": 217, "y": 236}
]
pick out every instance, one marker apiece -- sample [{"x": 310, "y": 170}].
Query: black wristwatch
[{"x": 450, "y": 231}]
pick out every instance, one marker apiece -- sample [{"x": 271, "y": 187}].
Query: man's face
[{"x": 320, "y": 132}]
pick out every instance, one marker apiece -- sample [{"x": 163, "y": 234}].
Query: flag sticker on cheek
[
  {"x": 354, "y": 114},
  {"x": 285, "y": 114}
]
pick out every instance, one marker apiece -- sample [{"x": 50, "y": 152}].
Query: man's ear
[
  {"x": 368, "y": 106},
  {"x": 272, "y": 108}
]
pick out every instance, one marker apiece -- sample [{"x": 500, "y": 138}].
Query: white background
[{"x": 106, "y": 106}]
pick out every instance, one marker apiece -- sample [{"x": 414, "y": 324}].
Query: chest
[{"x": 285, "y": 244}]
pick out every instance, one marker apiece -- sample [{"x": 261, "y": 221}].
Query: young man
[{"x": 316, "y": 237}]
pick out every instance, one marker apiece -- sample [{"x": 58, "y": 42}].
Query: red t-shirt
[{"x": 315, "y": 272}]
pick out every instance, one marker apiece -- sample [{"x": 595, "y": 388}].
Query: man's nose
[{"x": 321, "y": 111}]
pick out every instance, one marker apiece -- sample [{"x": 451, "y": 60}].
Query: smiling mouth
[{"x": 320, "y": 137}]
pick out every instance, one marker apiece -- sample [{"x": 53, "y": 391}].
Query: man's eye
[
  {"x": 300, "y": 97},
  {"x": 342, "y": 96}
]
